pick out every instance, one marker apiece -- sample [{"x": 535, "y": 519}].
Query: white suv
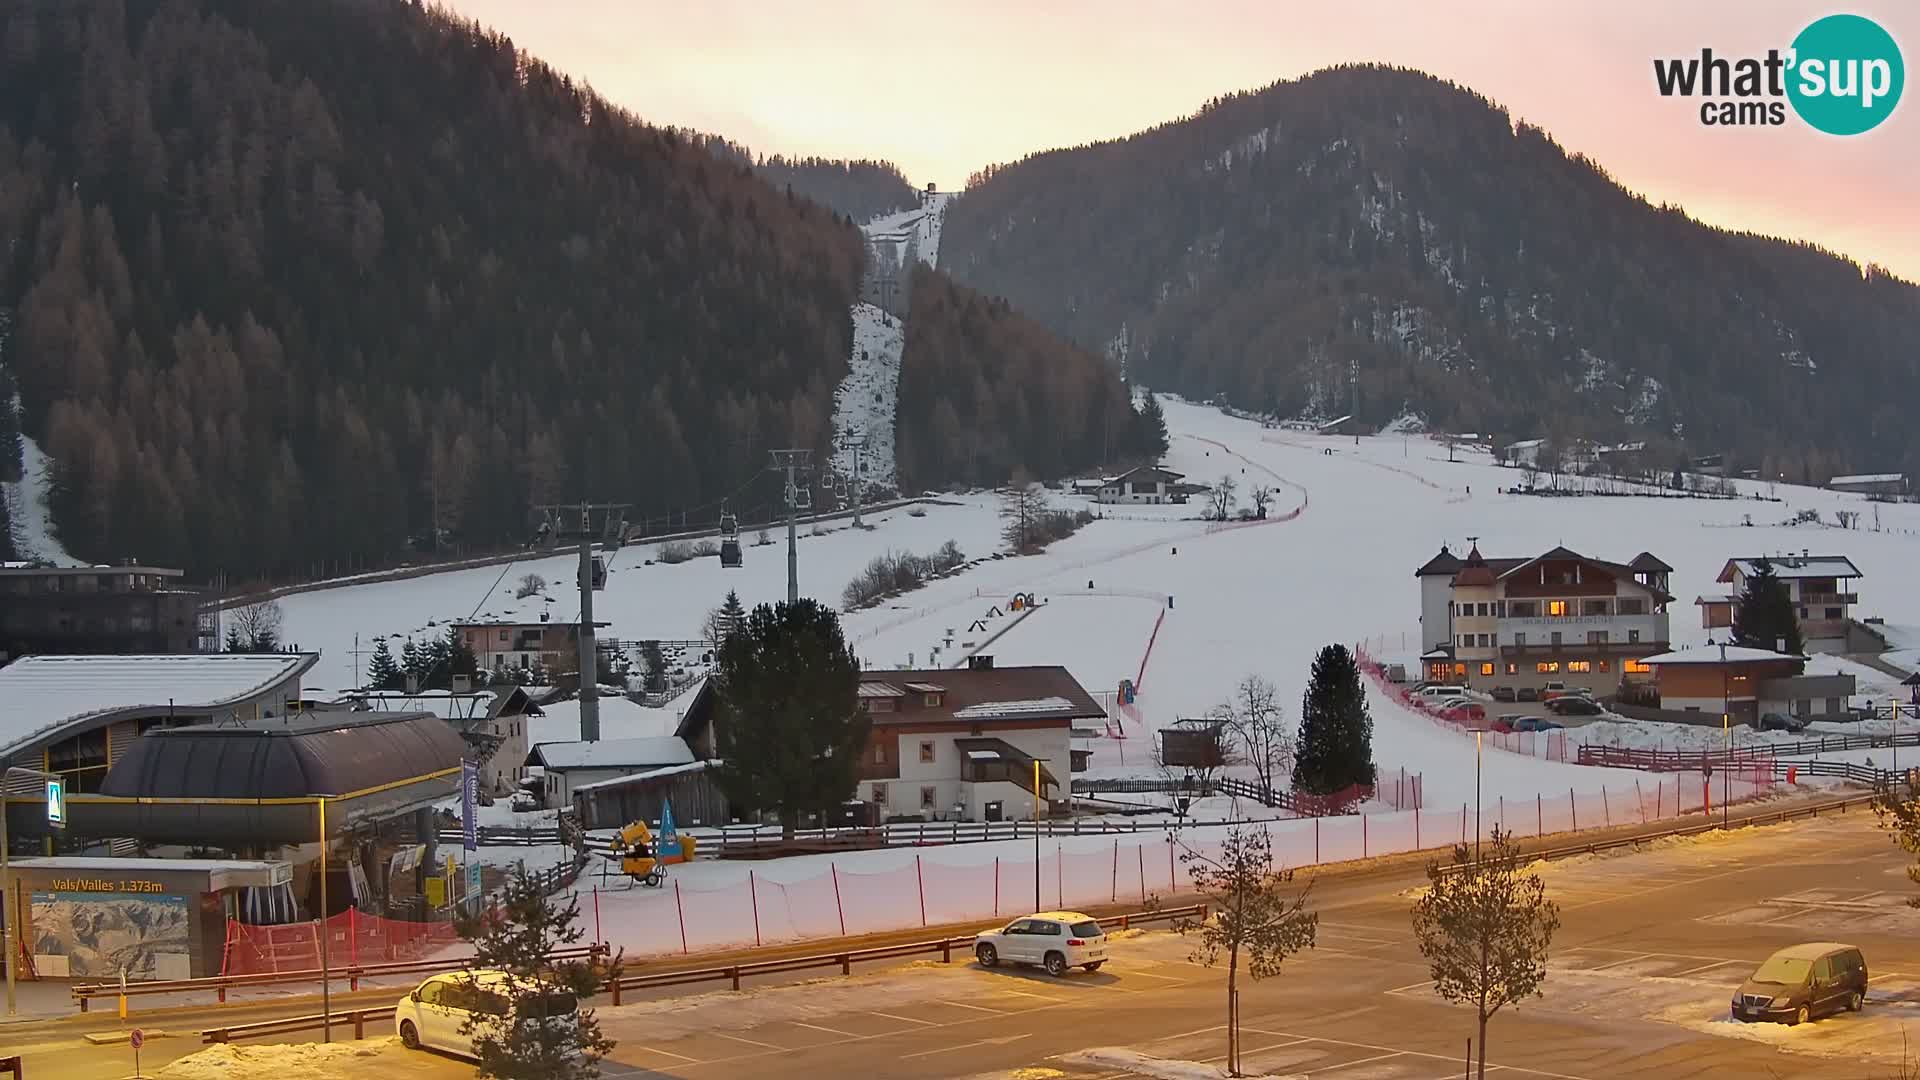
[
  {"x": 1055, "y": 940},
  {"x": 434, "y": 1014}
]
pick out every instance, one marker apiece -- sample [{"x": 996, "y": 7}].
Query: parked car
[
  {"x": 1527, "y": 693},
  {"x": 1504, "y": 723},
  {"x": 1533, "y": 723},
  {"x": 1462, "y": 711},
  {"x": 1503, "y": 693},
  {"x": 433, "y": 1015},
  {"x": 1553, "y": 690},
  {"x": 1574, "y": 705},
  {"x": 1774, "y": 721},
  {"x": 1441, "y": 690},
  {"x": 1801, "y": 982},
  {"x": 1514, "y": 721},
  {"x": 1054, "y": 940}
]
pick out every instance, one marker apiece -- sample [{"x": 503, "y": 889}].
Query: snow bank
[
  {"x": 292, "y": 1061},
  {"x": 1138, "y": 1064}
]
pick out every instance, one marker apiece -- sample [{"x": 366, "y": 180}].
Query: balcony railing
[{"x": 1825, "y": 599}]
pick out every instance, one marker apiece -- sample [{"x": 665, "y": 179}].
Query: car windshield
[
  {"x": 1086, "y": 929},
  {"x": 1783, "y": 971}
]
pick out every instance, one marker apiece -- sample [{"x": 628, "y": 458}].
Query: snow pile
[
  {"x": 864, "y": 404},
  {"x": 1114, "y": 1057},
  {"x": 292, "y": 1061},
  {"x": 987, "y": 709}
]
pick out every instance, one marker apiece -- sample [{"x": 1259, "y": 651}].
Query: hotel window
[
  {"x": 1520, "y": 640},
  {"x": 926, "y": 752},
  {"x": 1524, "y": 609},
  {"x": 1633, "y": 635},
  {"x": 1513, "y": 669},
  {"x": 1460, "y": 670},
  {"x": 928, "y": 797},
  {"x": 880, "y": 794},
  {"x": 1630, "y": 605},
  {"x": 1547, "y": 667},
  {"x": 1480, "y": 641},
  {"x": 1579, "y": 667},
  {"x": 1596, "y": 637},
  {"x": 932, "y": 701},
  {"x": 1500, "y": 608},
  {"x": 1486, "y": 669},
  {"x": 1485, "y": 609},
  {"x": 1556, "y": 639},
  {"x": 504, "y": 636},
  {"x": 1832, "y": 613},
  {"x": 1636, "y": 667},
  {"x": 1466, "y": 641},
  {"x": 1556, "y": 608},
  {"x": 1606, "y": 665},
  {"x": 1593, "y": 607}
]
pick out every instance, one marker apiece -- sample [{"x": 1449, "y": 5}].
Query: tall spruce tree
[
  {"x": 460, "y": 659},
  {"x": 413, "y": 662},
  {"x": 789, "y": 731},
  {"x": 1763, "y": 615},
  {"x": 1149, "y": 428},
  {"x": 383, "y": 673},
  {"x": 732, "y": 613},
  {"x": 1336, "y": 732},
  {"x": 655, "y": 662}
]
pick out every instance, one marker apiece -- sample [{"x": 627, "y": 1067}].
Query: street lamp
[
  {"x": 1476, "y": 794},
  {"x": 6, "y": 869},
  {"x": 1726, "y": 725},
  {"x": 1036, "y": 834}
]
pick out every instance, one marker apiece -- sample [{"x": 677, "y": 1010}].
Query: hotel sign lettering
[{"x": 103, "y": 885}]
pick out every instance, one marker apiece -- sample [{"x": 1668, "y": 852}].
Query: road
[{"x": 1651, "y": 946}]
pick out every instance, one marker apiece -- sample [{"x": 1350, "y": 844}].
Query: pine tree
[
  {"x": 412, "y": 662},
  {"x": 789, "y": 732},
  {"x": 1149, "y": 428},
  {"x": 519, "y": 937},
  {"x": 1763, "y": 615},
  {"x": 1336, "y": 731},
  {"x": 382, "y": 672},
  {"x": 436, "y": 659},
  {"x": 460, "y": 657},
  {"x": 732, "y": 614},
  {"x": 656, "y": 664}
]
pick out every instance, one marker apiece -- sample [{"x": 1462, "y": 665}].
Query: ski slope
[
  {"x": 33, "y": 534},
  {"x": 1334, "y": 562}
]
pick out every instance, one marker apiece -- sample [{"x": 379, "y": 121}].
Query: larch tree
[
  {"x": 1485, "y": 926},
  {"x": 1255, "y": 919},
  {"x": 1897, "y": 807},
  {"x": 788, "y": 727}
]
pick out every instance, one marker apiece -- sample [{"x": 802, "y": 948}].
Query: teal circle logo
[{"x": 1846, "y": 74}]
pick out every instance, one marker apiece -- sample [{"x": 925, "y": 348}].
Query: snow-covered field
[{"x": 1334, "y": 562}]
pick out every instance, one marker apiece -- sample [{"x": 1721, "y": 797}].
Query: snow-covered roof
[
  {"x": 926, "y": 688},
  {"x": 1869, "y": 478},
  {"x": 1795, "y": 566},
  {"x": 613, "y": 753},
  {"x": 879, "y": 690},
  {"x": 1714, "y": 654},
  {"x": 650, "y": 774},
  {"x": 1714, "y": 598},
  {"x": 1030, "y": 707},
  {"x": 40, "y": 695}
]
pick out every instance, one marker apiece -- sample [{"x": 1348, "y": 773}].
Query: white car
[
  {"x": 1055, "y": 940},
  {"x": 1440, "y": 690},
  {"x": 434, "y": 1014}
]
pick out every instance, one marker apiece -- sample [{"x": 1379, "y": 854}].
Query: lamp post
[
  {"x": 1726, "y": 725},
  {"x": 1476, "y": 794},
  {"x": 1036, "y": 834},
  {"x": 10, "y": 937},
  {"x": 326, "y": 979}
]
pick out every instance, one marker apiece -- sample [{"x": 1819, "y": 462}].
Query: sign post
[
  {"x": 56, "y": 802},
  {"x": 136, "y": 1038}
]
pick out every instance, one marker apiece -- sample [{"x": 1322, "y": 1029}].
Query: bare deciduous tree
[
  {"x": 1257, "y": 722},
  {"x": 1022, "y": 504},
  {"x": 530, "y": 585},
  {"x": 1220, "y": 499},
  {"x": 254, "y": 628},
  {"x": 1253, "y": 913},
  {"x": 1485, "y": 925},
  {"x": 1262, "y": 496}
]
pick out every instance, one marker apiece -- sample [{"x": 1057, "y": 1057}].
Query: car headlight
[{"x": 1780, "y": 1002}]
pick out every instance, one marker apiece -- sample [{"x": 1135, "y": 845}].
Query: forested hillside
[
  {"x": 1473, "y": 270},
  {"x": 297, "y": 279},
  {"x": 986, "y": 391},
  {"x": 862, "y": 190}
]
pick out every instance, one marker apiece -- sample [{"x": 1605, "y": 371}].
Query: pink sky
[{"x": 944, "y": 89}]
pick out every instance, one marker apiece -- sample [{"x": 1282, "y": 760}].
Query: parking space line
[
  {"x": 817, "y": 1027},
  {"x": 1617, "y": 963},
  {"x": 1001, "y": 1040},
  {"x": 1409, "y": 986},
  {"x": 1702, "y": 967},
  {"x": 1390, "y": 1051},
  {"x": 1151, "y": 975},
  {"x": 669, "y": 1053},
  {"x": 749, "y": 1042},
  {"x": 903, "y": 1019},
  {"x": 975, "y": 1008},
  {"x": 1363, "y": 1061}
]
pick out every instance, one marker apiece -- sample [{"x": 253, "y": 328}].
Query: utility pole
[
  {"x": 612, "y": 518},
  {"x": 859, "y": 444},
  {"x": 795, "y": 463}
]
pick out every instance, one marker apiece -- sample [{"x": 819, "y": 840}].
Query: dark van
[{"x": 1799, "y": 983}]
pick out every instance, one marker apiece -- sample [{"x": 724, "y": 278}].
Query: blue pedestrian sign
[{"x": 57, "y": 803}]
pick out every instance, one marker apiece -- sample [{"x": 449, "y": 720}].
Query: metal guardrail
[
  {"x": 1775, "y": 817},
  {"x": 1752, "y": 753},
  {"x": 353, "y": 1018},
  {"x": 733, "y": 973},
  {"x": 83, "y": 994}
]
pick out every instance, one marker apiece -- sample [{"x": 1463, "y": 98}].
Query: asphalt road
[{"x": 1651, "y": 947}]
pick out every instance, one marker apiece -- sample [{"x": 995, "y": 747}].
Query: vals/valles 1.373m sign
[{"x": 1842, "y": 75}]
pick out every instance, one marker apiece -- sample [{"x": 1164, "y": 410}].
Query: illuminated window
[
  {"x": 1606, "y": 665},
  {"x": 1460, "y": 669},
  {"x": 1513, "y": 669},
  {"x": 926, "y": 752},
  {"x": 1556, "y": 608},
  {"x": 1486, "y": 669},
  {"x": 1547, "y": 667},
  {"x": 1636, "y": 667},
  {"x": 1579, "y": 667}
]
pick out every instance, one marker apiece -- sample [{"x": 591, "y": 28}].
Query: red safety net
[{"x": 353, "y": 938}]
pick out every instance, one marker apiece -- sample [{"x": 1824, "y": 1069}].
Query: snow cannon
[{"x": 639, "y": 859}]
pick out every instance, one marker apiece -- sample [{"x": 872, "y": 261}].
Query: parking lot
[{"x": 1652, "y": 945}]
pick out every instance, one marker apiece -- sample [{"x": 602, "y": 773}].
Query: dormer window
[{"x": 933, "y": 700}]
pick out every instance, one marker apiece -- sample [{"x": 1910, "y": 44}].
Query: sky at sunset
[{"x": 944, "y": 89}]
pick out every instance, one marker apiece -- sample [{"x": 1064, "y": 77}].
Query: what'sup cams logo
[{"x": 1842, "y": 75}]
